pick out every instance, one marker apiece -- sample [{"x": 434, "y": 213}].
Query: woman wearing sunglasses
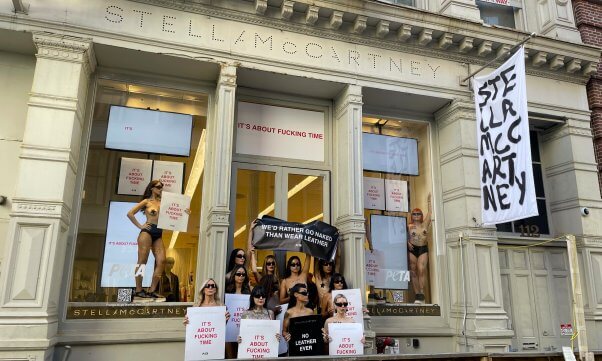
[
  {"x": 238, "y": 257},
  {"x": 323, "y": 275},
  {"x": 293, "y": 275},
  {"x": 149, "y": 239},
  {"x": 238, "y": 282},
  {"x": 337, "y": 283},
  {"x": 296, "y": 307},
  {"x": 340, "y": 316},
  {"x": 418, "y": 247},
  {"x": 208, "y": 297}
]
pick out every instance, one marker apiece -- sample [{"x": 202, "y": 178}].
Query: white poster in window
[
  {"x": 119, "y": 264},
  {"x": 171, "y": 175},
  {"x": 273, "y": 131},
  {"x": 205, "y": 333},
  {"x": 134, "y": 176},
  {"x": 354, "y": 300},
  {"x": 390, "y": 243},
  {"x": 283, "y": 345},
  {"x": 385, "y": 153},
  {"x": 258, "y": 339},
  {"x": 372, "y": 266},
  {"x": 346, "y": 339},
  {"x": 374, "y": 193},
  {"x": 397, "y": 195},
  {"x": 504, "y": 145},
  {"x": 236, "y": 305},
  {"x": 173, "y": 215}
]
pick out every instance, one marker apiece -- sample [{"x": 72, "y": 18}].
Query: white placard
[
  {"x": 354, "y": 298},
  {"x": 512, "y": 3},
  {"x": 397, "y": 195},
  {"x": 568, "y": 354},
  {"x": 272, "y": 131},
  {"x": 372, "y": 267},
  {"x": 283, "y": 345},
  {"x": 384, "y": 153},
  {"x": 258, "y": 339},
  {"x": 134, "y": 176},
  {"x": 374, "y": 193},
  {"x": 121, "y": 249},
  {"x": 504, "y": 145},
  {"x": 346, "y": 339},
  {"x": 389, "y": 240},
  {"x": 205, "y": 333},
  {"x": 172, "y": 214},
  {"x": 236, "y": 305},
  {"x": 171, "y": 175}
]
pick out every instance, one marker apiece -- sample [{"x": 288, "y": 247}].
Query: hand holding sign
[
  {"x": 205, "y": 333},
  {"x": 258, "y": 338},
  {"x": 345, "y": 339},
  {"x": 174, "y": 212}
]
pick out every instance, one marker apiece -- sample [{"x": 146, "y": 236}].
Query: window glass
[
  {"x": 397, "y": 200},
  {"x": 400, "y": 2},
  {"x": 108, "y": 243},
  {"x": 498, "y": 15}
]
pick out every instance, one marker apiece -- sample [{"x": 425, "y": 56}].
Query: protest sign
[
  {"x": 374, "y": 193},
  {"x": 389, "y": 240},
  {"x": 258, "y": 338},
  {"x": 173, "y": 215},
  {"x": 236, "y": 305},
  {"x": 317, "y": 238},
  {"x": 346, "y": 339},
  {"x": 504, "y": 146},
  {"x": 397, "y": 195},
  {"x": 306, "y": 336},
  {"x": 205, "y": 333},
  {"x": 283, "y": 345},
  {"x": 354, "y": 298},
  {"x": 171, "y": 175},
  {"x": 134, "y": 176}
]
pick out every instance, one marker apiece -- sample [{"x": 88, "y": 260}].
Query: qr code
[{"x": 124, "y": 295}]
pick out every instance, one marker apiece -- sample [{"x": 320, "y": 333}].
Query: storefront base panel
[{"x": 136, "y": 351}]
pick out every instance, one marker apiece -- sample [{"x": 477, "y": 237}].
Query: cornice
[{"x": 408, "y": 30}]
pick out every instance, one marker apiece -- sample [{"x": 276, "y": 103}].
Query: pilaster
[
  {"x": 348, "y": 211},
  {"x": 216, "y": 188},
  {"x": 466, "y": 9},
  {"x": 41, "y": 209},
  {"x": 556, "y": 20},
  {"x": 476, "y": 306}
]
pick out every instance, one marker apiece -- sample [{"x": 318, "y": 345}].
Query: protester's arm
[
  {"x": 306, "y": 264},
  {"x": 284, "y": 296},
  {"x": 429, "y": 211},
  {"x": 132, "y": 215}
]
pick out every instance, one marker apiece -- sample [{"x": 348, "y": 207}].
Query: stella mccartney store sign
[{"x": 247, "y": 42}]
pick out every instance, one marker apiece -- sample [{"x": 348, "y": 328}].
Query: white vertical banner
[
  {"x": 283, "y": 345},
  {"x": 397, "y": 195},
  {"x": 171, "y": 174},
  {"x": 374, "y": 193},
  {"x": 205, "y": 333},
  {"x": 236, "y": 305},
  {"x": 354, "y": 299},
  {"x": 506, "y": 173},
  {"x": 258, "y": 339},
  {"x": 346, "y": 339},
  {"x": 134, "y": 176},
  {"x": 173, "y": 215}
]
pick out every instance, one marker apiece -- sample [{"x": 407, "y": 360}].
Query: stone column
[
  {"x": 216, "y": 181},
  {"x": 571, "y": 173},
  {"x": 466, "y": 9},
  {"x": 35, "y": 249},
  {"x": 477, "y": 295}
]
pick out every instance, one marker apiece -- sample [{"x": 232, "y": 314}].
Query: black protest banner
[
  {"x": 306, "y": 336},
  {"x": 317, "y": 238}
]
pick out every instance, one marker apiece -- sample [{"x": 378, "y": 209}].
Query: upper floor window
[
  {"x": 400, "y": 2},
  {"x": 497, "y": 12}
]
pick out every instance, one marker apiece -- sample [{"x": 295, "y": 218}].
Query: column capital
[
  {"x": 227, "y": 74},
  {"x": 351, "y": 95},
  {"x": 65, "y": 48}
]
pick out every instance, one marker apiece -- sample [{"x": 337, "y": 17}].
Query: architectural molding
[{"x": 65, "y": 48}]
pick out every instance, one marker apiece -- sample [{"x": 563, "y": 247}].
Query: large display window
[
  {"x": 398, "y": 212},
  {"x": 145, "y": 145}
]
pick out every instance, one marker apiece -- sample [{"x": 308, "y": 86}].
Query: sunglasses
[
  {"x": 259, "y": 296},
  {"x": 158, "y": 186},
  {"x": 416, "y": 214},
  {"x": 295, "y": 264},
  {"x": 327, "y": 264},
  {"x": 211, "y": 285},
  {"x": 342, "y": 304},
  {"x": 303, "y": 293},
  {"x": 240, "y": 274},
  {"x": 338, "y": 281},
  {"x": 270, "y": 263}
]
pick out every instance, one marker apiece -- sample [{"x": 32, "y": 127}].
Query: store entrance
[{"x": 292, "y": 194}]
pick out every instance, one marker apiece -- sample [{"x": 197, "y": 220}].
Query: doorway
[
  {"x": 292, "y": 194},
  {"x": 537, "y": 296}
]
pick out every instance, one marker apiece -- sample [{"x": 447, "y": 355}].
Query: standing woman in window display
[
  {"x": 149, "y": 239},
  {"x": 292, "y": 276},
  {"x": 418, "y": 247}
]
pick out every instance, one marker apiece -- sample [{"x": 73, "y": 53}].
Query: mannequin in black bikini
[{"x": 149, "y": 239}]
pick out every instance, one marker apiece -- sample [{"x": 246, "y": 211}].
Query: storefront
[{"x": 355, "y": 115}]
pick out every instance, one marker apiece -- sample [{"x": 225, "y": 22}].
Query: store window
[
  {"x": 398, "y": 211},
  {"x": 140, "y": 136},
  {"x": 538, "y": 225},
  {"x": 496, "y": 14},
  {"x": 400, "y": 2}
]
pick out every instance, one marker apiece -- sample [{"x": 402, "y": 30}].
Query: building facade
[{"x": 280, "y": 99}]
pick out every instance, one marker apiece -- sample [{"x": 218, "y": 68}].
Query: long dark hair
[
  {"x": 337, "y": 277},
  {"x": 257, "y": 291},
  {"x": 322, "y": 263},
  {"x": 287, "y": 271},
  {"x": 148, "y": 192},
  {"x": 231, "y": 283},
  {"x": 232, "y": 260},
  {"x": 292, "y": 302},
  {"x": 269, "y": 285}
]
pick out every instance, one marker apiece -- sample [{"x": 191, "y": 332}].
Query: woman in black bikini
[
  {"x": 149, "y": 239},
  {"x": 418, "y": 247}
]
